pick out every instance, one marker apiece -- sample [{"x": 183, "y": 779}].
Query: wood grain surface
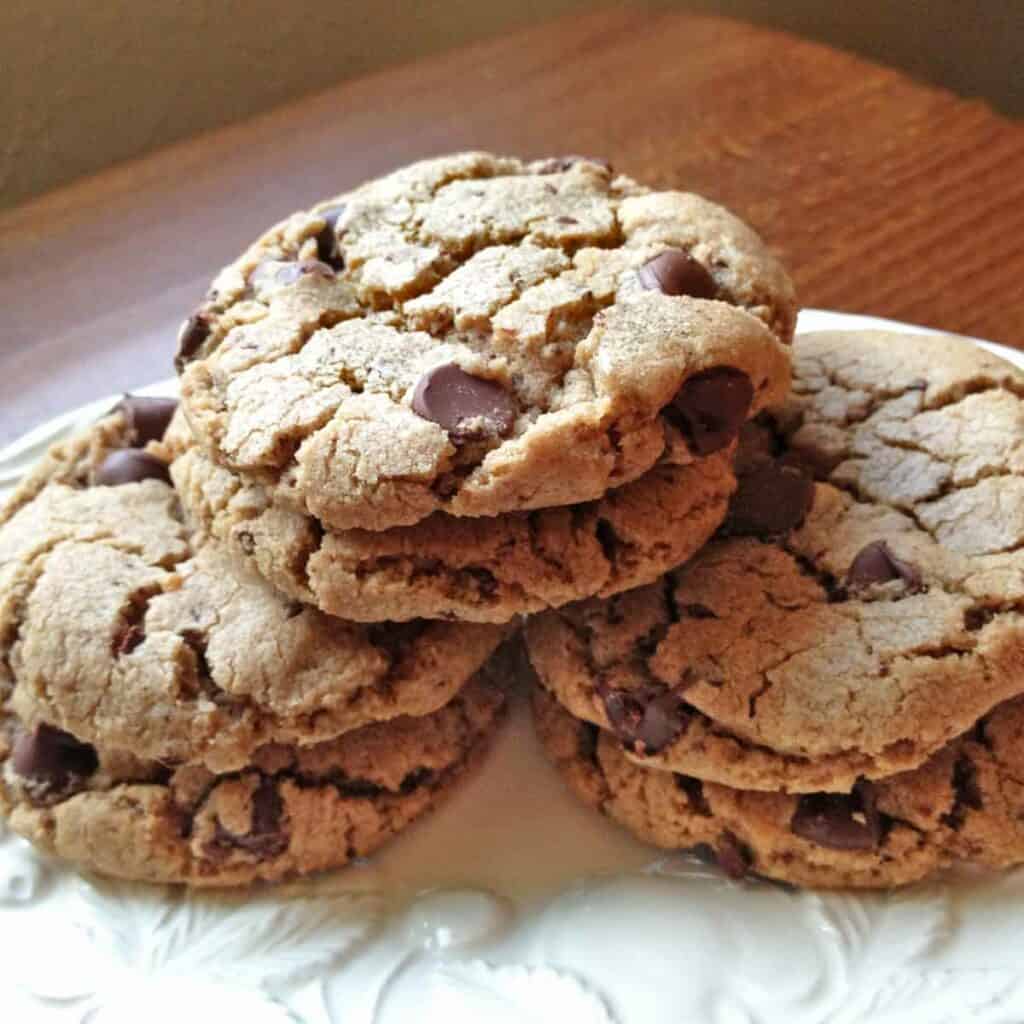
[{"x": 882, "y": 195}]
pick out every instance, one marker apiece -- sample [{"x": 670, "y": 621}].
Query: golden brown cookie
[
  {"x": 841, "y": 628},
  {"x": 291, "y": 811},
  {"x": 477, "y": 570},
  {"x": 122, "y": 626},
  {"x": 965, "y": 804},
  {"x": 478, "y": 335}
]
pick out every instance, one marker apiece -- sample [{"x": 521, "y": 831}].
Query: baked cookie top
[
  {"x": 964, "y": 804},
  {"x": 291, "y": 811},
  {"x": 841, "y": 628},
  {"x": 479, "y": 335},
  {"x": 123, "y": 627},
  {"x": 481, "y": 570}
]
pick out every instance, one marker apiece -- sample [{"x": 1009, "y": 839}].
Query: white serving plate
[{"x": 512, "y": 903}]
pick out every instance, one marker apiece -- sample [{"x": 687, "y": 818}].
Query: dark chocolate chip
[
  {"x": 645, "y": 720},
  {"x": 674, "y": 272},
  {"x": 148, "y": 418},
  {"x": 838, "y": 820},
  {"x": 977, "y": 618},
  {"x": 771, "y": 500},
  {"x": 712, "y": 407},
  {"x": 127, "y": 640},
  {"x": 966, "y": 792},
  {"x": 53, "y": 757},
  {"x": 732, "y": 856},
  {"x": 415, "y": 779},
  {"x": 467, "y": 407},
  {"x": 130, "y": 466},
  {"x": 327, "y": 241},
  {"x": 875, "y": 563},
  {"x": 194, "y": 331},
  {"x": 265, "y": 838},
  {"x": 694, "y": 790},
  {"x": 587, "y": 736},
  {"x": 559, "y": 164},
  {"x": 267, "y": 807}
]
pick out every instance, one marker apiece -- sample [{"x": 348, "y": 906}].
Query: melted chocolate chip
[
  {"x": 194, "y": 331},
  {"x": 130, "y": 466},
  {"x": 771, "y": 500},
  {"x": 674, "y": 272},
  {"x": 875, "y": 563},
  {"x": 327, "y": 241},
  {"x": 838, "y": 820},
  {"x": 127, "y": 640},
  {"x": 711, "y": 407},
  {"x": 645, "y": 720},
  {"x": 52, "y": 757},
  {"x": 467, "y": 407},
  {"x": 266, "y": 837},
  {"x": 148, "y": 418},
  {"x": 977, "y": 618},
  {"x": 560, "y": 164},
  {"x": 732, "y": 856}
]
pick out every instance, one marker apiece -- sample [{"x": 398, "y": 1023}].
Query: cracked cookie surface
[
  {"x": 477, "y": 335},
  {"x": 485, "y": 570},
  {"x": 291, "y": 811},
  {"x": 965, "y": 804},
  {"x": 848, "y": 627},
  {"x": 121, "y": 626}
]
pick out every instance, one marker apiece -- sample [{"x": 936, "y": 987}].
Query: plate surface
[{"x": 512, "y": 903}]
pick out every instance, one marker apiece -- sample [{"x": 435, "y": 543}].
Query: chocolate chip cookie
[
  {"x": 862, "y": 605},
  {"x": 478, "y": 335},
  {"x": 483, "y": 570},
  {"x": 291, "y": 811},
  {"x": 965, "y": 803},
  {"x": 121, "y": 626}
]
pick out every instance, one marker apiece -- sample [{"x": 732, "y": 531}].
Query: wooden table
[{"x": 882, "y": 195}]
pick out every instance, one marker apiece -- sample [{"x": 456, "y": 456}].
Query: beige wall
[{"x": 85, "y": 83}]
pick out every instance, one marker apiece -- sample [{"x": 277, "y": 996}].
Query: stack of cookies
[
  {"x": 830, "y": 692},
  {"x": 253, "y": 637}
]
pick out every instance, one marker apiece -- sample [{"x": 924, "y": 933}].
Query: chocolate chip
[
  {"x": 127, "y": 640},
  {"x": 646, "y": 720},
  {"x": 712, "y": 406},
  {"x": 53, "y": 757},
  {"x": 560, "y": 164},
  {"x": 840, "y": 821},
  {"x": 771, "y": 500},
  {"x": 467, "y": 407},
  {"x": 966, "y": 792},
  {"x": 694, "y": 790},
  {"x": 674, "y": 272},
  {"x": 194, "y": 331},
  {"x": 327, "y": 241},
  {"x": 130, "y": 466},
  {"x": 148, "y": 418},
  {"x": 977, "y": 618},
  {"x": 267, "y": 807},
  {"x": 875, "y": 563},
  {"x": 732, "y": 856}
]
